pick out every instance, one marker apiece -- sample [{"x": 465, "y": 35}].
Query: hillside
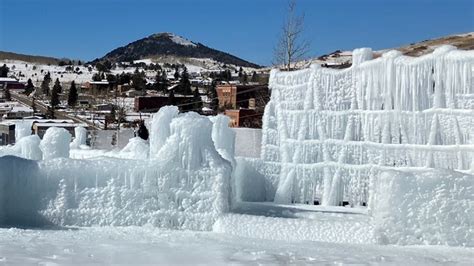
[
  {"x": 29, "y": 58},
  {"x": 343, "y": 59},
  {"x": 170, "y": 45}
]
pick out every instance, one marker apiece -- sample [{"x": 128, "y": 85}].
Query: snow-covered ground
[{"x": 148, "y": 245}]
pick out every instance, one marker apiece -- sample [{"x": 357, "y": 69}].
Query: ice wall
[
  {"x": 186, "y": 185},
  {"x": 55, "y": 143},
  {"x": 432, "y": 206},
  {"x": 330, "y": 132}
]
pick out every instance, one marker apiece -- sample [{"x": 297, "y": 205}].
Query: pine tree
[
  {"x": 254, "y": 77},
  {"x": 197, "y": 106},
  {"x": 4, "y": 71},
  {"x": 72, "y": 96},
  {"x": 240, "y": 72},
  {"x": 55, "y": 95},
  {"x": 57, "y": 86},
  {"x": 184, "y": 83},
  {"x": 29, "y": 87},
  {"x": 45, "y": 84},
  {"x": 176, "y": 73}
]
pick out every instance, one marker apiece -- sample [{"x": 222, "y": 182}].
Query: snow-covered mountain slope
[{"x": 170, "y": 45}]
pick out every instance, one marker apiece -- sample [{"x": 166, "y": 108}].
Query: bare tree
[{"x": 291, "y": 46}]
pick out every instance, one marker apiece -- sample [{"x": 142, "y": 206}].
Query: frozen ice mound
[
  {"x": 137, "y": 148},
  {"x": 55, "y": 143},
  {"x": 434, "y": 207},
  {"x": 187, "y": 186}
]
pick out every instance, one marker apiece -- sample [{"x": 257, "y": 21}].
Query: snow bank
[
  {"x": 434, "y": 207},
  {"x": 186, "y": 186},
  {"x": 330, "y": 132},
  {"x": 55, "y": 143}
]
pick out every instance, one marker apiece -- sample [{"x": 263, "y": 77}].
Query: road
[{"x": 44, "y": 109}]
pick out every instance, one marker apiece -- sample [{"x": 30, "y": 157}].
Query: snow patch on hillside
[{"x": 180, "y": 40}]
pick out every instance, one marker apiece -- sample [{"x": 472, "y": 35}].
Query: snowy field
[{"x": 148, "y": 245}]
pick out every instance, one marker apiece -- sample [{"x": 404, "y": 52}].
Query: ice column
[
  {"x": 55, "y": 143},
  {"x": 160, "y": 128},
  {"x": 22, "y": 129},
  {"x": 80, "y": 138}
]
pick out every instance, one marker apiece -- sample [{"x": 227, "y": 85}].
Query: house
[
  {"x": 153, "y": 103},
  {"x": 7, "y": 133},
  {"x": 235, "y": 96},
  {"x": 245, "y": 118},
  {"x": 96, "y": 87},
  {"x": 11, "y": 84},
  {"x": 14, "y": 110},
  {"x": 40, "y": 126}
]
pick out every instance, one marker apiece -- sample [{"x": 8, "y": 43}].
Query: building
[
  {"x": 40, "y": 126},
  {"x": 96, "y": 87},
  {"x": 154, "y": 103},
  {"x": 11, "y": 84},
  {"x": 244, "y": 118},
  {"x": 235, "y": 96},
  {"x": 14, "y": 110},
  {"x": 7, "y": 133}
]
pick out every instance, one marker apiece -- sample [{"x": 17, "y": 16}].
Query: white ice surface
[{"x": 145, "y": 245}]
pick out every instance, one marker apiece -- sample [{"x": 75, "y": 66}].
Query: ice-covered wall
[
  {"x": 431, "y": 206},
  {"x": 330, "y": 132},
  {"x": 185, "y": 185}
]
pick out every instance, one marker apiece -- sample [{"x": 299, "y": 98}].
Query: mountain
[{"x": 169, "y": 45}]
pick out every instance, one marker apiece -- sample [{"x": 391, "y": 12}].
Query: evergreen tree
[
  {"x": 240, "y": 72},
  {"x": 244, "y": 79},
  {"x": 72, "y": 96},
  {"x": 29, "y": 87},
  {"x": 184, "y": 83},
  {"x": 45, "y": 84},
  {"x": 176, "y": 73},
  {"x": 138, "y": 80},
  {"x": 254, "y": 77},
  {"x": 55, "y": 95},
  {"x": 197, "y": 106},
  {"x": 4, "y": 71},
  {"x": 57, "y": 86}
]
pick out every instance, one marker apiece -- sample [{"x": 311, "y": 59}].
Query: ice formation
[
  {"x": 223, "y": 137},
  {"x": 433, "y": 207},
  {"x": 186, "y": 185},
  {"x": 327, "y": 134},
  {"x": 160, "y": 128},
  {"x": 80, "y": 138},
  {"x": 55, "y": 143},
  {"x": 22, "y": 129}
]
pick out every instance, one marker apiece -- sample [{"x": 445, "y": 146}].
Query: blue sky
[{"x": 86, "y": 29}]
